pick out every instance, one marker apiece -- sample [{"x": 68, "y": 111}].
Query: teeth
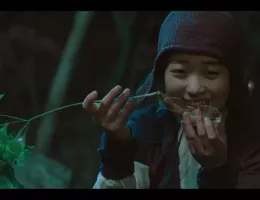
[{"x": 196, "y": 103}]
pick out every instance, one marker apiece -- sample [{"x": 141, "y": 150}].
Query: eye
[
  {"x": 212, "y": 74},
  {"x": 179, "y": 72}
]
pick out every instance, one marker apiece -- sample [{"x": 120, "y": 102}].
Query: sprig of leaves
[
  {"x": 28, "y": 121},
  {"x": 13, "y": 149}
]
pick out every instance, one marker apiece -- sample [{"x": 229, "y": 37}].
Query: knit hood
[{"x": 211, "y": 33}]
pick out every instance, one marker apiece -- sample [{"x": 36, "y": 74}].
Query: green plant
[{"x": 13, "y": 149}]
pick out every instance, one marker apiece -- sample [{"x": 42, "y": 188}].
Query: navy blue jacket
[{"x": 150, "y": 146}]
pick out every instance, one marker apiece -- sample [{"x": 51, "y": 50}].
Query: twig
[
  {"x": 12, "y": 117},
  {"x": 28, "y": 121}
]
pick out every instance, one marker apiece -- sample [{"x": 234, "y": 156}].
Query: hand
[
  {"x": 207, "y": 144},
  {"x": 109, "y": 113}
]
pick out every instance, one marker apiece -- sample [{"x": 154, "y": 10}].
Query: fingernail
[
  {"x": 185, "y": 113},
  {"x": 117, "y": 87},
  {"x": 126, "y": 91},
  {"x": 206, "y": 119},
  {"x": 91, "y": 93},
  {"x": 197, "y": 112}
]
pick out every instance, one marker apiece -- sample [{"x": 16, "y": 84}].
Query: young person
[{"x": 200, "y": 60}]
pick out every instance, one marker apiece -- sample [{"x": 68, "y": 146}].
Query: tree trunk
[{"x": 62, "y": 78}]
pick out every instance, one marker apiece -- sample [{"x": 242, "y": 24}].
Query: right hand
[{"x": 109, "y": 113}]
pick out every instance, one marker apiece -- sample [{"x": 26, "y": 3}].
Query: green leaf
[
  {"x": 14, "y": 149},
  {"x": 1, "y": 96},
  {"x": 21, "y": 140},
  {"x": 4, "y": 133}
]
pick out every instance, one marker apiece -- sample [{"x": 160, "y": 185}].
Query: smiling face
[{"x": 197, "y": 79}]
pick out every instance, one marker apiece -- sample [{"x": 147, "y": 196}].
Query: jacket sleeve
[
  {"x": 249, "y": 175},
  {"x": 117, "y": 159},
  {"x": 139, "y": 180},
  {"x": 214, "y": 178},
  {"x": 246, "y": 176}
]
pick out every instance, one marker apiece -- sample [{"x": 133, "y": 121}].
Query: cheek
[
  {"x": 220, "y": 91},
  {"x": 173, "y": 86}
]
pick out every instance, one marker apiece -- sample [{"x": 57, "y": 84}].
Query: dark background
[{"x": 31, "y": 46}]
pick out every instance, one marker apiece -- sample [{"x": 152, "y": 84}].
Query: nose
[{"x": 194, "y": 86}]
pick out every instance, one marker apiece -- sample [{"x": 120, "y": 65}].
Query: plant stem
[
  {"x": 25, "y": 127},
  {"x": 28, "y": 121},
  {"x": 12, "y": 117},
  {"x": 80, "y": 103},
  {"x": 54, "y": 110},
  {"x": 14, "y": 122}
]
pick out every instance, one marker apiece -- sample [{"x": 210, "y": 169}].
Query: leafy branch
[
  {"x": 13, "y": 149},
  {"x": 28, "y": 121}
]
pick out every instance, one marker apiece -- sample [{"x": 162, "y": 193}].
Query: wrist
[
  {"x": 125, "y": 134},
  {"x": 117, "y": 155}
]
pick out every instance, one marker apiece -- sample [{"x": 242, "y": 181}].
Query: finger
[
  {"x": 88, "y": 103},
  {"x": 107, "y": 101},
  {"x": 220, "y": 131},
  {"x": 125, "y": 112},
  {"x": 202, "y": 131},
  {"x": 190, "y": 133},
  {"x": 212, "y": 135},
  {"x": 192, "y": 149},
  {"x": 117, "y": 105},
  {"x": 200, "y": 124}
]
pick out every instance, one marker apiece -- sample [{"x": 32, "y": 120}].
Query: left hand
[{"x": 207, "y": 144}]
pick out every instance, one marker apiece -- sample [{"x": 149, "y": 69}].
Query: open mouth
[
  {"x": 180, "y": 105},
  {"x": 205, "y": 109},
  {"x": 196, "y": 104}
]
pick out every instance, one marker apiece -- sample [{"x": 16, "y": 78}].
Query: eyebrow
[
  {"x": 211, "y": 62},
  {"x": 206, "y": 62},
  {"x": 181, "y": 61}
]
